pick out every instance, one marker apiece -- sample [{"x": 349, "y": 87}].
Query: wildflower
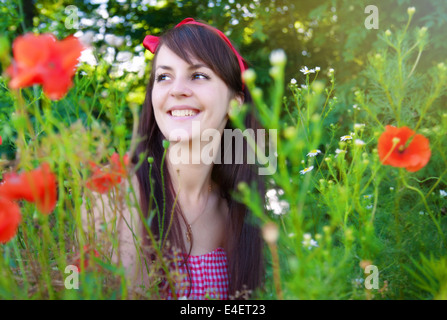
[
  {"x": 359, "y": 142},
  {"x": 442, "y": 193},
  {"x": 313, "y": 153},
  {"x": 317, "y": 68},
  {"x": 278, "y": 57},
  {"x": 270, "y": 232},
  {"x": 303, "y": 86},
  {"x": 0, "y": 140},
  {"x": 359, "y": 125},
  {"x": 37, "y": 186},
  {"x": 89, "y": 253},
  {"x": 103, "y": 179},
  {"x": 367, "y": 196},
  {"x": 9, "y": 219},
  {"x": 306, "y": 170},
  {"x": 369, "y": 206},
  {"x": 273, "y": 202},
  {"x": 293, "y": 81},
  {"x": 394, "y": 151},
  {"x": 249, "y": 75},
  {"x": 308, "y": 242},
  {"x": 338, "y": 151},
  {"x": 305, "y": 70},
  {"x": 347, "y": 137},
  {"x": 41, "y": 59}
]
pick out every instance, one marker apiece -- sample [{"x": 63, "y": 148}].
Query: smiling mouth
[{"x": 183, "y": 113}]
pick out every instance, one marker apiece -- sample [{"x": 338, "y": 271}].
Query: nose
[{"x": 180, "y": 89}]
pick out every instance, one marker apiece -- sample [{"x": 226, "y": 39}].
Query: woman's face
[{"x": 183, "y": 93}]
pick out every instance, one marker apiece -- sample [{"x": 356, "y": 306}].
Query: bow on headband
[{"x": 151, "y": 42}]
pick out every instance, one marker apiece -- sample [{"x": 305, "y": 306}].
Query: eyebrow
[{"x": 191, "y": 67}]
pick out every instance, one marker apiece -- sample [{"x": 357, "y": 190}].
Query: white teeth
[{"x": 183, "y": 113}]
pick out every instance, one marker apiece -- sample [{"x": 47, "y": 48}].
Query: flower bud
[
  {"x": 249, "y": 76},
  {"x": 411, "y": 11},
  {"x": 270, "y": 232},
  {"x": 278, "y": 58}
]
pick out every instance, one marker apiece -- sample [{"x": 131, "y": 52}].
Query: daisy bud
[
  {"x": 249, "y": 76},
  {"x": 388, "y": 33},
  {"x": 270, "y": 232},
  {"x": 278, "y": 58},
  {"x": 411, "y": 11}
]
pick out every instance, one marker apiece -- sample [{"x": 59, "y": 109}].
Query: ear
[{"x": 239, "y": 97}]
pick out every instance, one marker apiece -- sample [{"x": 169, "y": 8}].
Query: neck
[{"x": 191, "y": 180}]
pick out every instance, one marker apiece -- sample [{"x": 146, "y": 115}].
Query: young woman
[{"x": 196, "y": 75}]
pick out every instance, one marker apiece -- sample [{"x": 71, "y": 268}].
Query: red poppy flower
[
  {"x": 41, "y": 59},
  {"x": 1, "y": 140},
  {"x": 9, "y": 219},
  {"x": 89, "y": 253},
  {"x": 412, "y": 157},
  {"x": 37, "y": 186},
  {"x": 103, "y": 179}
]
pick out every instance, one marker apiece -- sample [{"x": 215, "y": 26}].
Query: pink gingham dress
[{"x": 208, "y": 274}]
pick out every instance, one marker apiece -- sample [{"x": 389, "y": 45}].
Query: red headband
[{"x": 151, "y": 42}]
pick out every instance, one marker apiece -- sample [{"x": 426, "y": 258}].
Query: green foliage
[{"x": 335, "y": 207}]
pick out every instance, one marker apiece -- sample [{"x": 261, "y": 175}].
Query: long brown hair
[{"x": 243, "y": 244}]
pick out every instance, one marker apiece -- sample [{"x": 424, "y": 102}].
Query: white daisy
[
  {"x": 344, "y": 138},
  {"x": 442, "y": 193},
  {"x": 306, "y": 71},
  {"x": 275, "y": 204},
  {"x": 306, "y": 170},
  {"x": 359, "y": 142},
  {"x": 313, "y": 153},
  {"x": 317, "y": 68},
  {"x": 293, "y": 81}
]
